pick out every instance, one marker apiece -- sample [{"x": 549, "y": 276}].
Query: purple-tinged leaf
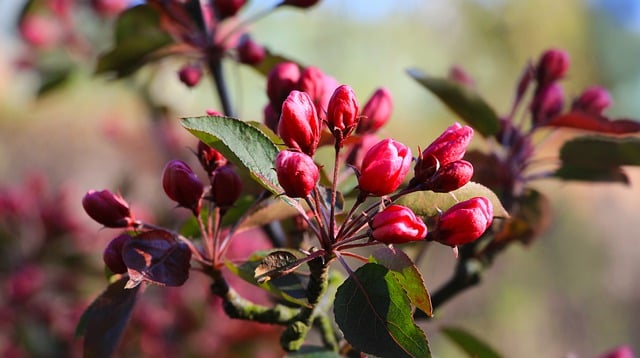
[
  {"x": 463, "y": 101},
  {"x": 470, "y": 344},
  {"x": 407, "y": 274},
  {"x": 157, "y": 257},
  {"x": 106, "y": 318},
  {"x": 374, "y": 313},
  {"x": 594, "y": 122}
]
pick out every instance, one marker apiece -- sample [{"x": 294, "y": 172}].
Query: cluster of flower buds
[{"x": 548, "y": 99}]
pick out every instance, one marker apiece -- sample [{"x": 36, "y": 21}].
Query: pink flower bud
[
  {"x": 318, "y": 86},
  {"x": 40, "y": 31},
  {"x": 450, "y": 177},
  {"x": 459, "y": 75},
  {"x": 376, "y": 111},
  {"x": 209, "y": 158},
  {"x": 384, "y": 167},
  {"x": 226, "y": 186},
  {"x": 109, "y": 8},
  {"x": 297, "y": 173},
  {"x": 107, "y": 208},
  {"x": 449, "y": 147},
  {"x": 213, "y": 112},
  {"x": 112, "y": 255},
  {"x": 593, "y": 100},
  {"x": 250, "y": 52},
  {"x": 282, "y": 79},
  {"x": 190, "y": 75},
  {"x": 464, "y": 222},
  {"x": 182, "y": 185},
  {"x": 342, "y": 112},
  {"x": 227, "y": 8},
  {"x": 547, "y": 104},
  {"x": 303, "y": 4},
  {"x": 299, "y": 126},
  {"x": 551, "y": 67},
  {"x": 396, "y": 225}
]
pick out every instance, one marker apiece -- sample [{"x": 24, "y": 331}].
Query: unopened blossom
[
  {"x": 182, "y": 185},
  {"x": 384, "y": 167},
  {"x": 297, "y": 173},
  {"x": 282, "y": 79},
  {"x": 342, "y": 113},
  {"x": 112, "y": 255},
  {"x": 226, "y": 186},
  {"x": 190, "y": 75},
  {"x": 448, "y": 147},
  {"x": 249, "y": 51},
  {"x": 592, "y": 100},
  {"x": 376, "y": 111},
  {"x": 397, "y": 224},
  {"x": 464, "y": 222},
  {"x": 299, "y": 126},
  {"x": 552, "y": 66},
  {"x": 107, "y": 208},
  {"x": 450, "y": 177},
  {"x": 547, "y": 104}
]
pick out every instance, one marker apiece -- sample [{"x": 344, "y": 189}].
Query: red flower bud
[
  {"x": 250, "y": 52},
  {"x": 464, "y": 222},
  {"x": 226, "y": 186},
  {"x": 109, "y": 8},
  {"x": 551, "y": 67},
  {"x": 449, "y": 147},
  {"x": 342, "y": 112},
  {"x": 227, "y": 8},
  {"x": 40, "y": 31},
  {"x": 376, "y": 111},
  {"x": 397, "y": 224},
  {"x": 547, "y": 104},
  {"x": 459, "y": 75},
  {"x": 297, "y": 173},
  {"x": 107, "y": 208},
  {"x": 282, "y": 79},
  {"x": 303, "y": 4},
  {"x": 384, "y": 167},
  {"x": 182, "y": 185},
  {"x": 318, "y": 86},
  {"x": 190, "y": 75},
  {"x": 593, "y": 100},
  {"x": 112, "y": 255},
  {"x": 209, "y": 158},
  {"x": 299, "y": 126},
  {"x": 213, "y": 112},
  {"x": 450, "y": 177}
]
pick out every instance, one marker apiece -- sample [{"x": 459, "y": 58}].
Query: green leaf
[
  {"x": 374, "y": 313},
  {"x": 54, "y": 78},
  {"x": 471, "y": 345},
  {"x": 138, "y": 35},
  {"x": 598, "y": 158},
  {"x": 291, "y": 287},
  {"x": 464, "y": 102},
  {"x": 407, "y": 274},
  {"x": 427, "y": 203},
  {"x": 601, "y": 151},
  {"x": 106, "y": 318},
  {"x": 243, "y": 144}
]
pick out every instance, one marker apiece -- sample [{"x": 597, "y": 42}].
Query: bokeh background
[{"x": 573, "y": 292}]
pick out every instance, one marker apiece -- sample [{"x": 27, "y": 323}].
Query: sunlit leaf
[
  {"x": 157, "y": 257},
  {"x": 590, "y": 151},
  {"x": 106, "y": 318},
  {"x": 427, "y": 203},
  {"x": 595, "y": 123},
  {"x": 138, "y": 35},
  {"x": 375, "y": 316},
  {"x": 463, "y": 101},
  {"x": 276, "y": 264},
  {"x": 407, "y": 274},
  {"x": 471, "y": 345},
  {"x": 291, "y": 288}
]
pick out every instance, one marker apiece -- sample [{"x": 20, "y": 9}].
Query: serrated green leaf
[
  {"x": 245, "y": 145},
  {"x": 137, "y": 36},
  {"x": 474, "y": 347},
  {"x": 374, "y": 314},
  {"x": 407, "y": 274},
  {"x": 464, "y": 102},
  {"x": 427, "y": 203}
]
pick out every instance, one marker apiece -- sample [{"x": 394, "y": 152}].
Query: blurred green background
[{"x": 574, "y": 292}]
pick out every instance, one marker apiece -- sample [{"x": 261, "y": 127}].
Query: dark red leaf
[
  {"x": 595, "y": 123},
  {"x": 157, "y": 257},
  {"x": 104, "y": 321}
]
